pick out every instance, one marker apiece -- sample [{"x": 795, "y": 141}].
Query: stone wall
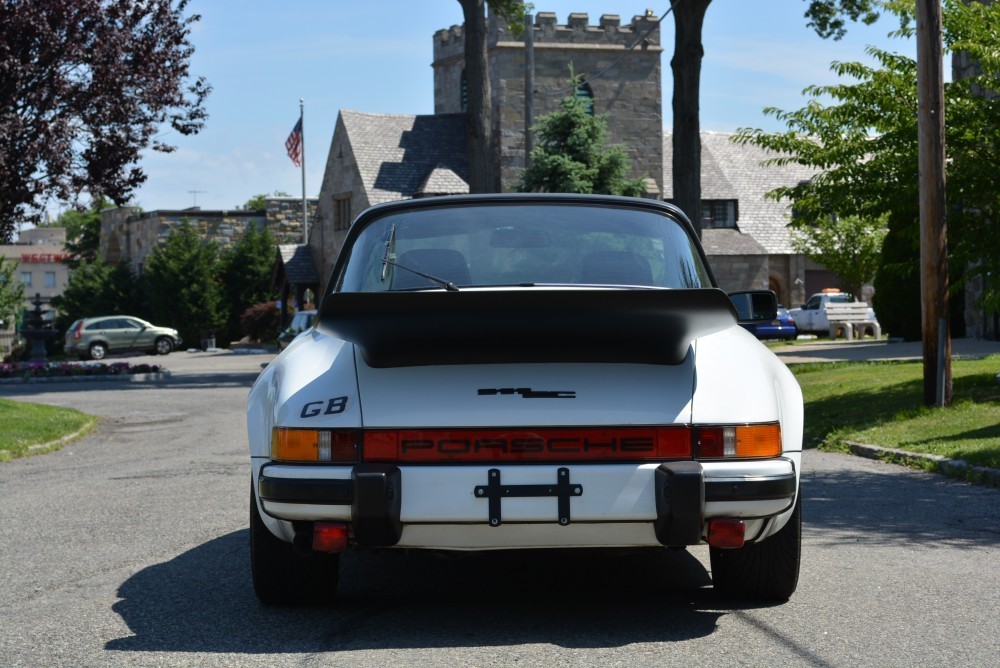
[
  {"x": 625, "y": 82},
  {"x": 130, "y": 235},
  {"x": 740, "y": 272}
]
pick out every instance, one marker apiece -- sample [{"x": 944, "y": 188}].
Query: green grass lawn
[
  {"x": 26, "y": 425},
  {"x": 881, "y": 403}
]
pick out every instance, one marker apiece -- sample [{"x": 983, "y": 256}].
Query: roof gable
[{"x": 397, "y": 154}]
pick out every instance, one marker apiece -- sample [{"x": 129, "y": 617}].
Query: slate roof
[
  {"x": 732, "y": 171},
  {"x": 442, "y": 181},
  {"x": 397, "y": 154},
  {"x": 730, "y": 242},
  {"x": 297, "y": 262}
]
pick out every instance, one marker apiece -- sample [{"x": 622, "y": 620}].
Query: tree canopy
[
  {"x": 864, "y": 148},
  {"x": 85, "y": 86}
]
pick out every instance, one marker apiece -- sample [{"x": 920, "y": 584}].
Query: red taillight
[
  {"x": 528, "y": 445},
  {"x": 726, "y": 533},
  {"x": 76, "y": 334},
  {"x": 329, "y": 537},
  {"x": 738, "y": 441}
]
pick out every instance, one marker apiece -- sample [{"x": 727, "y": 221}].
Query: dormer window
[{"x": 719, "y": 214}]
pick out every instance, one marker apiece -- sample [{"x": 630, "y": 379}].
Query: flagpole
[{"x": 305, "y": 220}]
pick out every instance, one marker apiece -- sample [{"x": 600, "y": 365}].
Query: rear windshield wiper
[
  {"x": 447, "y": 285},
  {"x": 390, "y": 248}
]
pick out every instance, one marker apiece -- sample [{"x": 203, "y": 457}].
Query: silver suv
[{"x": 94, "y": 338}]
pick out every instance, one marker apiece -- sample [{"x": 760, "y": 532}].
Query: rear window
[{"x": 520, "y": 245}]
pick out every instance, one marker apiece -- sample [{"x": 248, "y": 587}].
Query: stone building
[
  {"x": 374, "y": 158},
  {"x": 129, "y": 234},
  {"x": 746, "y": 235},
  {"x": 41, "y": 262},
  {"x": 620, "y": 65}
]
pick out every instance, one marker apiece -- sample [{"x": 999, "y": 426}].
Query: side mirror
[{"x": 755, "y": 305}]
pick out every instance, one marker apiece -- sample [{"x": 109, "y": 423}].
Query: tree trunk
[
  {"x": 686, "y": 65},
  {"x": 480, "y": 142}
]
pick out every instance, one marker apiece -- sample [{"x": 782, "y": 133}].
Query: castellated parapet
[{"x": 620, "y": 63}]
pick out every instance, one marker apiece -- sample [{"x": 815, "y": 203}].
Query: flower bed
[{"x": 28, "y": 370}]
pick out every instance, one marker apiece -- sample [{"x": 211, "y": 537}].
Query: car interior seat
[{"x": 608, "y": 267}]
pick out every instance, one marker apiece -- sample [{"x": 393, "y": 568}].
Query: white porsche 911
[{"x": 505, "y": 372}]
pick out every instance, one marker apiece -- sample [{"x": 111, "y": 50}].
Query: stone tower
[{"x": 620, "y": 64}]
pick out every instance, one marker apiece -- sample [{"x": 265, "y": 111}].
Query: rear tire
[
  {"x": 97, "y": 351},
  {"x": 283, "y": 577},
  {"x": 768, "y": 570},
  {"x": 163, "y": 346}
]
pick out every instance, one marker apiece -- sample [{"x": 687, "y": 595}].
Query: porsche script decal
[{"x": 528, "y": 393}]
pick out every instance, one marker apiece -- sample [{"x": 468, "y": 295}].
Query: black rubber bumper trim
[
  {"x": 680, "y": 503},
  {"x": 306, "y": 490},
  {"x": 762, "y": 489},
  {"x": 378, "y": 502}
]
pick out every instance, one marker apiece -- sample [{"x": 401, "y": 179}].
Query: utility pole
[
  {"x": 529, "y": 88},
  {"x": 933, "y": 222}
]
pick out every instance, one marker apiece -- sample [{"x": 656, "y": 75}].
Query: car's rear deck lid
[{"x": 529, "y": 325}]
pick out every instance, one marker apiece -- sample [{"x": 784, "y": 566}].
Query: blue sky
[{"x": 261, "y": 57}]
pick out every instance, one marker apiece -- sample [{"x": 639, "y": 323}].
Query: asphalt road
[{"x": 129, "y": 548}]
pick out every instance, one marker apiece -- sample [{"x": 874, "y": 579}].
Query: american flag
[{"x": 294, "y": 144}]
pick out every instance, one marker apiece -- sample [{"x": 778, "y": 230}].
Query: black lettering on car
[
  {"x": 554, "y": 445},
  {"x": 453, "y": 446},
  {"x": 637, "y": 444},
  {"x": 589, "y": 445},
  {"x": 308, "y": 412},
  {"x": 527, "y": 445},
  {"x": 334, "y": 406},
  {"x": 415, "y": 444},
  {"x": 494, "y": 444}
]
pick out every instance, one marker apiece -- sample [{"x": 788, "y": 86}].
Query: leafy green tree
[
  {"x": 247, "y": 272},
  {"x": 83, "y": 231},
  {"x": 11, "y": 291},
  {"x": 259, "y": 202},
  {"x": 86, "y": 87},
  {"x": 848, "y": 246},
  {"x": 98, "y": 288},
  {"x": 182, "y": 285},
  {"x": 864, "y": 147},
  {"x": 571, "y": 155}
]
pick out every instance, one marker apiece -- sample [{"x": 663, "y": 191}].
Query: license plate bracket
[{"x": 494, "y": 492}]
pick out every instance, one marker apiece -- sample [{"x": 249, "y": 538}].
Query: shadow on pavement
[{"x": 203, "y": 601}]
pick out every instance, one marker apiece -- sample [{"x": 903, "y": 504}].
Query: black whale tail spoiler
[{"x": 528, "y": 325}]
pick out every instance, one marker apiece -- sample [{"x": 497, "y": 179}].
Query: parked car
[
  {"x": 782, "y": 327},
  {"x": 94, "y": 338},
  {"x": 300, "y": 322},
  {"x": 497, "y": 372}
]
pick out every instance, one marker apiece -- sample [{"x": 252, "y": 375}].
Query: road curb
[
  {"x": 111, "y": 377},
  {"x": 954, "y": 468}
]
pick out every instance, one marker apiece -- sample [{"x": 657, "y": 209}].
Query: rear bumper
[{"x": 448, "y": 507}]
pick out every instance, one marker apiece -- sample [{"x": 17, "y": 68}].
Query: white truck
[{"x": 812, "y": 316}]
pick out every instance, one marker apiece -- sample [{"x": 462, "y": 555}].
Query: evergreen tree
[
  {"x": 83, "y": 231},
  {"x": 182, "y": 286},
  {"x": 571, "y": 155},
  {"x": 247, "y": 272}
]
